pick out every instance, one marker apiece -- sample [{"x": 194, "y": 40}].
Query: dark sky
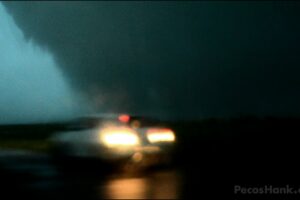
[{"x": 177, "y": 59}]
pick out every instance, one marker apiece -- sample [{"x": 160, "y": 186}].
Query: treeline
[{"x": 30, "y": 131}]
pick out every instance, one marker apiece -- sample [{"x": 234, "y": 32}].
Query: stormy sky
[{"x": 173, "y": 59}]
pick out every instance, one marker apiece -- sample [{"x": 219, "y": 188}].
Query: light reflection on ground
[{"x": 156, "y": 185}]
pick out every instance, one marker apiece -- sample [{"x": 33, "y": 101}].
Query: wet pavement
[{"x": 35, "y": 176}]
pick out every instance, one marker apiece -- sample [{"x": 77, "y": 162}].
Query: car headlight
[
  {"x": 119, "y": 137},
  {"x": 160, "y": 135}
]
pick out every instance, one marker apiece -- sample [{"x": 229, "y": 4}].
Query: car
[{"x": 126, "y": 141}]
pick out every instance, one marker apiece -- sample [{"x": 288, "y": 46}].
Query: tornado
[{"x": 32, "y": 86}]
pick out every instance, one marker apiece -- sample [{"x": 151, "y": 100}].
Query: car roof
[{"x": 94, "y": 119}]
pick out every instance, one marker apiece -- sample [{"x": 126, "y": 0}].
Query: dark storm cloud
[{"x": 174, "y": 58}]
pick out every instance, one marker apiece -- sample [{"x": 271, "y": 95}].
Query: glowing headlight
[
  {"x": 112, "y": 137},
  {"x": 160, "y": 135}
]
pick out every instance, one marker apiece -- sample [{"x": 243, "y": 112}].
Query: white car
[{"x": 116, "y": 139}]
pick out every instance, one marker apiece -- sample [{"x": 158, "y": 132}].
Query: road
[{"x": 34, "y": 176}]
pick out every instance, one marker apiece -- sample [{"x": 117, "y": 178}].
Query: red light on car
[{"x": 124, "y": 118}]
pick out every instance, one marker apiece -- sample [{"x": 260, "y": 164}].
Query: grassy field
[
  {"x": 33, "y": 137},
  {"x": 31, "y": 145}
]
